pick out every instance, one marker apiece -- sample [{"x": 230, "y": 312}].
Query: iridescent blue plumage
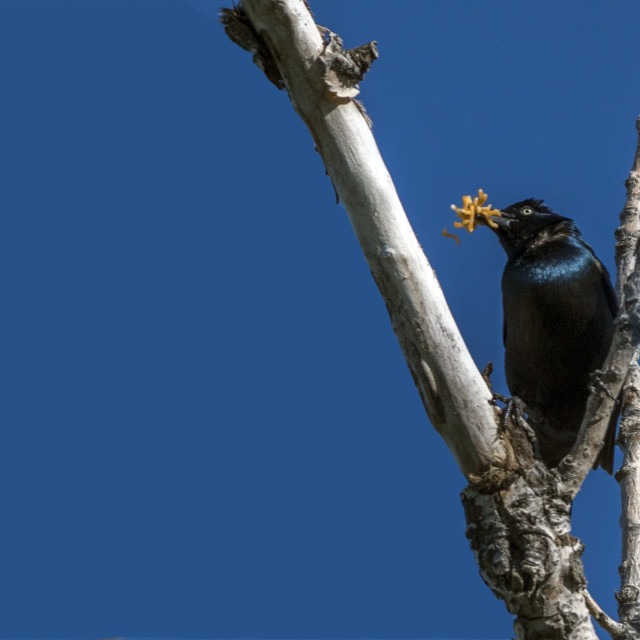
[{"x": 559, "y": 308}]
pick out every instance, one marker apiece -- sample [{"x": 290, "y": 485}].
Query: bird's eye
[{"x": 526, "y": 211}]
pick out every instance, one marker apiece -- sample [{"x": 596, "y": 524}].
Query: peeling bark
[{"x": 343, "y": 70}]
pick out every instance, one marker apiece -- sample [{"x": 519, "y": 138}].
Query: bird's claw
[
  {"x": 513, "y": 423},
  {"x": 597, "y": 383},
  {"x": 498, "y": 397},
  {"x": 515, "y": 411}
]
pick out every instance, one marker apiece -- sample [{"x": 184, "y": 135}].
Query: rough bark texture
[
  {"x": 522, "y": 543},
  {"x": 627, "y": 248},
  {"x": 520, "y": 537},
  {"x": 628, "y": 234},
  {"x": 629, "y": 478}
]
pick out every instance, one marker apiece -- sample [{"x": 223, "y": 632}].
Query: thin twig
[{"x": 614, "y": 629}]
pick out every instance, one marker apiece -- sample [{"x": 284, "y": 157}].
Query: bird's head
[{"x": 524, "y": 223}]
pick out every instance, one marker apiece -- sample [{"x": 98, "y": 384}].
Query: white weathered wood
[
  {"x": 628, "y": 287},
  {"x": 614, "y": 629},
  {"x": 521, "y": 542},
  {"x": 629, "y": 478},
  {"x": 456, "y": 398}
]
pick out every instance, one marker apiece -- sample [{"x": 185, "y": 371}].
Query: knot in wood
[
  {"x": 520, "y": 540},
  {"x": 344, "y": 69}
]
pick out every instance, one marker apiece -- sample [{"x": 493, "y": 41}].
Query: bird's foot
[
  {"x": 597, "y": 382},
  {"x": 513, "y": 415},
  {"x": 498, "y": 397},
  {"x": 510, "y": 403},
  {"x": 520, "y": 432},
  {"x": 515, "y": 411}
]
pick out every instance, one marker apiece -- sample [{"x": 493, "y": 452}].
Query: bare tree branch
[
  {"x": 615, "y": 629},
  {"x": 321, "y": 80},
  {"x": 624, "y": 348},
  {"x": 628, "y": 235},
  {"x": 629, "y": 478}
]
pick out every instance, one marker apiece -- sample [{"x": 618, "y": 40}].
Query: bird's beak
[{"x": 502, "y": 221}]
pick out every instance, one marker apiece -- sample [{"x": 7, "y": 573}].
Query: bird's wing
[
  {"x": 605, "y": 279},
  {"x": 609, "y": 292}
]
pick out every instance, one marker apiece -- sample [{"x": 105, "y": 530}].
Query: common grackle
[{"x": 559, "y": 307}]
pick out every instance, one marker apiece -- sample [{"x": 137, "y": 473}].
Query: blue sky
[{"x": 208, "y": 427}]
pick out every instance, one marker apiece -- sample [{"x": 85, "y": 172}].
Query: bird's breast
[
  {"x": 551, "y": 266},
  {"x": 555, "y": 294},
  {"x": 557, "y": 323}
]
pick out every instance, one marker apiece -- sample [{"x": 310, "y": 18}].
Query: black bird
[{"x": 559, "y": 307}]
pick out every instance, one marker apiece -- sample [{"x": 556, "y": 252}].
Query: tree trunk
[{"x": 521, "y": 540}]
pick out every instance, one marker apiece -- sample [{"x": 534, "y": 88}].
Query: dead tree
[{"x": 517, "y": 510}]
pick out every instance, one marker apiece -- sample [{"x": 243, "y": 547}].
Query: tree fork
[{"x": 517, "y": 510}]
